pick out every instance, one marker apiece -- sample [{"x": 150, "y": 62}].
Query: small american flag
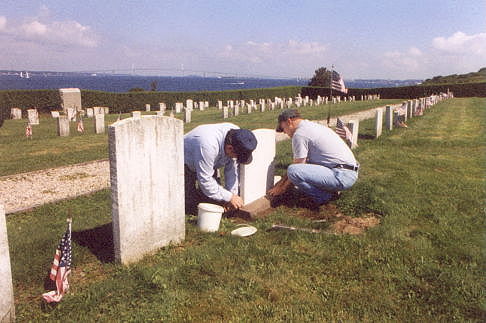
[
  {"x": 343, "y": 131},
  {"x": 61, "y": 268},
  {"x": 80, "y": 127},
  {"x": 28, "y": 131}
]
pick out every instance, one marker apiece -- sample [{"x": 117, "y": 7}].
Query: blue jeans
[{"x": 320, "y": 182}]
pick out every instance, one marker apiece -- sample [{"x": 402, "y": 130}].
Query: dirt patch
[
  {"x": 338, "y": 222},
  {"x": 350, "y": 225}
]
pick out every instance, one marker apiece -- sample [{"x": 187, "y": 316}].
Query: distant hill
[{"x": 473, "y": 77}]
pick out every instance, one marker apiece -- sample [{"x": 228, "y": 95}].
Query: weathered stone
[
  {"x": 33, "y": 116},
  {"x": 63, "y": 126},
  {"x": 353, "y": 126},
  {"x": 89, "y": 112},
  {"x": 162, "y": 107},
  {"x": 378, "y": 122},
  {"x": 71, "y": 98},
  {"x": 257, "y": 177},
  {"x": 16, "y": 113},
  {"x": 71, "y": 114},
  {"x": 99, "y": 123},
  {"x": 389, "y": 117},
  {"x": 187, "y": 115},
  {"x": 189, "y": 104},
  {"x": 409, "y": 109},
  {"x": 7, "y": 307},
  {"x": 147, "y": 185}
]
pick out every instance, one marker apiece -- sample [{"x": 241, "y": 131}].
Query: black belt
[{"x": 355, "y": 168}]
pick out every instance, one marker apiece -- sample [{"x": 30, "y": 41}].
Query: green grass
[
  {"x": 424, "y": 262},
  {"x": 19, "y": 154}
]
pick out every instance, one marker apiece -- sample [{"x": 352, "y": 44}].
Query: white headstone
[
  {"x": 389, "y": 117},
  {"x": 225, "y": 112},
  {"x": 160, "y": 113},
  {"x": 7, "y": 307},
  {"x": 178, "y": 107},
  {"x": 16, "y": 113},
  {"x": 33, "y": 116},
  {"x": 136, "y": 114},
  {"x": 187, "y": 115},
  {"x": 162, "y": 106},
  {"x": 63, "y": 126},
  {"x": 147, "y": 185},
  {"x": 71, "y": 98},
  {"x": 189, "y": 104},
  {"x": 55, "y": 114},
  {"x": 71, "y": 114},
  {"x": 220, "y": 105},
  {"x": 378, "y": 122},
  {"x": 99, "y": 123},
  {"x": 353, "y": 126},
  {"x": 257, "y": 177},
  {"x": 147, "y": 107},
  {"x": 89, "y": 112}
]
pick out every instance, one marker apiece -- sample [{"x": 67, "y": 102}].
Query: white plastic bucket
[{"x": 209, "y": 216}]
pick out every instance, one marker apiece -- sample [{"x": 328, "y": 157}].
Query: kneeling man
[
  {"x": 323, "y": 165},
  {"x": 208, "y": 148}
]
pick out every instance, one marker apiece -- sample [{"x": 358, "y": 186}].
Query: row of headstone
[{"x": 369, "y": 97}]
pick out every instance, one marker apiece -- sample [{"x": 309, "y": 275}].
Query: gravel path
[{"x": 24, "y": 191}]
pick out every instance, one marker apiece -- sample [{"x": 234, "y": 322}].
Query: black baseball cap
[
  {"x": 286, "y": 115},
  {"x": 244, "y": 143}
]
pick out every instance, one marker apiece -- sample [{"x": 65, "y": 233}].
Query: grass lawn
[
  {"x": 424, "y": 262},
  {"x": 19, "y": 154}
]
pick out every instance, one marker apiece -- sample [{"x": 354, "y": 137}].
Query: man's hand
[
  {"x": 279, "y": 188},
  {"x": 236, "y": 202}
]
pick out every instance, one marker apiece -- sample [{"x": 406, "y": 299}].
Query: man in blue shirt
[
  {"x": 322, "y": 164},
  {"x": 208, "y": 148}
]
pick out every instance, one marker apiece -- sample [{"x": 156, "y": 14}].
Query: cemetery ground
[
  {"x": 423, "y": 262},
  {"x": 46, "y": 150}
]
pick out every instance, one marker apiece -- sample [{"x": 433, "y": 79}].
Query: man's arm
[
  {"x": 207, "y": 183},
  {"x": 284, "y": 184}
]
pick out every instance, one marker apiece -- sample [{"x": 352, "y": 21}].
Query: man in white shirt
[
  {"x": 323, "y": 164},
  {"x": 208, "y": 148}
]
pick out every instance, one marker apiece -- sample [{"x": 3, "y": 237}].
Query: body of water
[{"x": 124, "y": 83}]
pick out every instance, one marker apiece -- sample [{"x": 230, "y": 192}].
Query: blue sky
[{"x": 363, "y": 39}]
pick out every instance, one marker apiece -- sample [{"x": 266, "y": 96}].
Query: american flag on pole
[
  {"x": 61, "y": 268},
  {"x": 343, "y": 131},
  {"x": 28, "y": 131},
  {"x": 337, "y": 82},
  {"x": 80, "y": 127}
]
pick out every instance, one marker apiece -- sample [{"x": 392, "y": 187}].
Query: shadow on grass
[
  {"x": 366, "y": 137},
  {"x": 98, "y": 240}
]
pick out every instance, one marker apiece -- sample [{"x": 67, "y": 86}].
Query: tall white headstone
[
  {"x": 16, "y": 113},
  {"x": 7, "y": 307},
  {"x": 257, "y": 177},
  {"x": 89, "y": 112},
  {"x": 378, "y": 122},
  {"x": 189, "y": 104},
  {"x": 187, "y": 115},
  {"x": 71, "y": 98},
  {"x": 353, "y": 126},
  {"x": 389, "y": 117},
  {"x": 63, "y": 126},
  {"x": 99, "y": 123},
  {"x": 33, "y": 116},
  {"x": 147, "y": 185},
  {"x": 147, "y": 107}
]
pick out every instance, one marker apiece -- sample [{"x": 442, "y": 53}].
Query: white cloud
[
  {"x": 45, "y": 31},
  {"x": 461, "y": 43},
  {"x": 3, "y": 23},
  {"x": 34, "y": 28},
  {"x": 405, "y": 61}
]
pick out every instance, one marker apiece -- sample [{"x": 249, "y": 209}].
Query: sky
[{"x": 388, "y": 39}]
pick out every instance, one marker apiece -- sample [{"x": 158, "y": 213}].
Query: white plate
[{"x": 244, "y": 231}]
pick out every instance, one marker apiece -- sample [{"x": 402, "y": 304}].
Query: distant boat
[{"x": 24, "y": 76}]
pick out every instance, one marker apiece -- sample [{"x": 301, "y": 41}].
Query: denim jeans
[{"x": 320, "y": 182}]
